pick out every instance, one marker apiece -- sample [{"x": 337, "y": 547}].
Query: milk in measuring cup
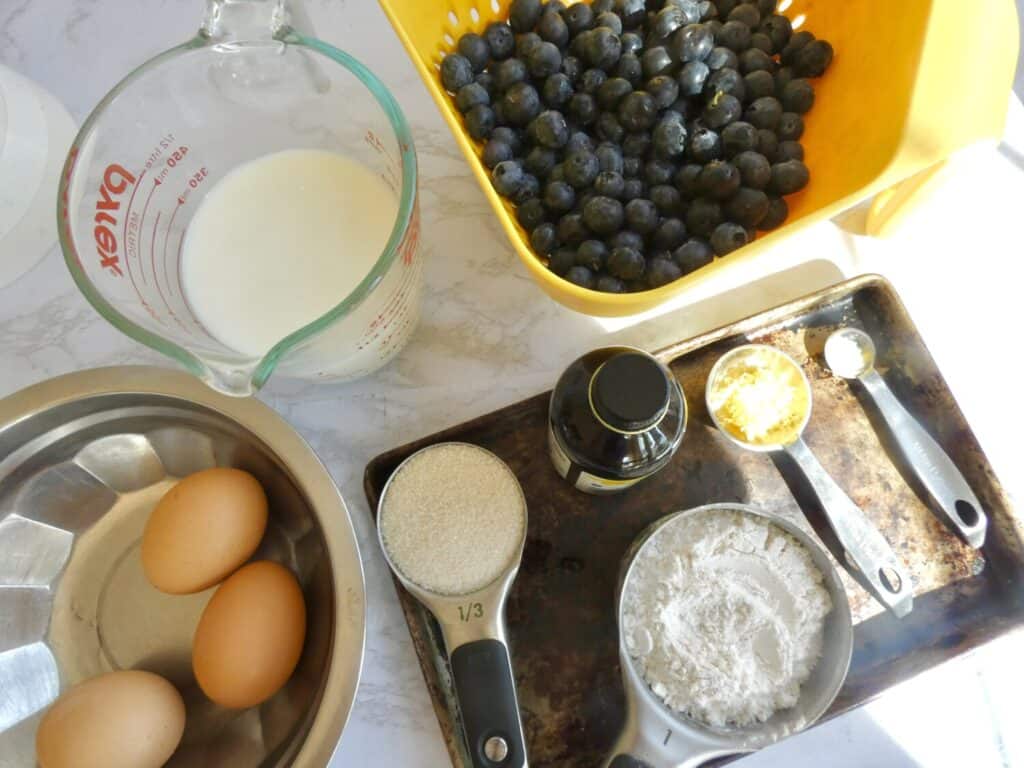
[{"x": 281, "y": 240}]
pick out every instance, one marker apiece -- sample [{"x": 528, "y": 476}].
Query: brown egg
[
  {"x": 128, "y": 719},
  {"x": 250, "y": 636},
  {"x": 204, "y": 528}
]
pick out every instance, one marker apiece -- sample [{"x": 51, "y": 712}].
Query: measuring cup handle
[
  {"x": 486, "y": 691},
  {"x": 625, "y": 761}
]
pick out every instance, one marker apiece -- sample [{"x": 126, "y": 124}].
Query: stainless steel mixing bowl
[{"x": 83, "y": 460}]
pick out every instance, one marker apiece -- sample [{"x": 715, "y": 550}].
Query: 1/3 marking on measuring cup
[
  {"x": 668, "y": 735},
  {"x": 471, "y": 611}
]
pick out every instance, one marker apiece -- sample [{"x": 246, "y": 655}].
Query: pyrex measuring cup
[{"x": 246, "y": 86}]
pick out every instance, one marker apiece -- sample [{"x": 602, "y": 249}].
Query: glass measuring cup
[{"x": 247, "y": 85}]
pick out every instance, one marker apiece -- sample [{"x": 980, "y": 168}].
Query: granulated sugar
[
  {"x": 724, "y": 614},
  {"x": 453, "y": 518}
]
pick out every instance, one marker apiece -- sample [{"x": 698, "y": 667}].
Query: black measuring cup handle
[
  {"x": 486, "y": 690},
  {"x": 625, "y": 761}
]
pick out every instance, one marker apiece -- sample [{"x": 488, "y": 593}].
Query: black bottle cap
[{"x": 630, "y": 392}]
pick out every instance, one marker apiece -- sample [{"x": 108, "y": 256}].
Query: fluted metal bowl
[{"x": 83, "y": 460}]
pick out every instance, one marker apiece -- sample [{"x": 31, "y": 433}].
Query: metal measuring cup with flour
[
  {"x": 452, "y": 525},
  {"x": 734, "y": 632}
]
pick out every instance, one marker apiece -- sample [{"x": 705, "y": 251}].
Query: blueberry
[
  {"x": 755, "y": 60},
  {"x": 722, "y": 109},
  {"x": 687, "y": 180},
  {"x": 791, "y": 126},
  {"x": 692, "y": 43},
  {"x": 669, "y": 139},
  {"x": 475, "y": 49},
  {"x": 579, "y": 141},
  {"x": 766, "y": 7},
  {"x": 692, "y": 77},
  {"x": 727, "y": 237},
  {"x": 609, "y": 284},
  {"x": 797, "y": 42},
  {"x": 797, "y": 96},
  {"x": 562, "y": 260},
  {"x": 758, "y": 84},
  {"x": 510, "y": 136},
  {"x": 509, "y": 72},
  {"x": 581, "y": 168},
  {"x": 719, "y": 180},
  {"x": 767, "y": 143},
  {"x": 735, "y": 35},
  {"x": 626, "y": 263},
  {"x": 813, "y": 59},
  {"x": 549, "y": 129},
  {"x": 703, "y": 216},
  {"x": 789, "y": 150},
  {"x": 636, "y": 145},
  {"x": 631, "y": 42},
  {"x": 544, "y": 60},
  {"x": 630, "y": 69},
  {"x": 633, "y": 188},
  {"x": 592, "y": 254},
  {"x": 779, "y": 29},
  {"x": 520, "y": 104},
  {"x": 632, "y": 12},
  {"x": 693, "y": 254},
  {"x": 500, "y": 39},
  {"x": 656, "y": 61},
  {"x": 637, "y": 111},
  {"x": 528, "y": 190},
  {"x": 609, "y": 184},
  {"x": 572, "y": 68},
  {"x": 746, "y": 13},
  {"x": 531, "y": 214},
  {"x": 470, "y": 96},
  {"x": 632, "y": 167},
  {"x": 783, "y": 77},
  {"x": 666, "y": 199},
  {"x": 456, "y": 72},
  {"x": 704, "y": 144},
  {"x": 662, "y": 271},
  {"x": 539, "y": 161},
  {"x": 726, "y": 81},
  {"x": 543, "y": 239},
  {"x": 789, "y": 176},
  {"x": 609, "y": 20},
  {"x": 707, "y": 10},
  {"x": 777, "y": 213},
  {"x": 579, "y": 18},
  {"x": 658, "y": 171},
  {"x": 486, "y": 79},
  {"x": 581, "y": 276},
  {"x": 526, "y": 43},
  {"x": 747, "y": 207},
  {"x": 523, "y": 15},
  {"x": 762, "y": 42},
  {"x": 571, "y": 229},
  {"x": 507, "y": 177},
  {"x": 764, "y": 113},
  {"x": 641, "y": 216},
  {"x": 738, "y": 137},
  {"x": 663, "y": 89},
  {"x": 601, "y": 48},
  {"x": 603, "y": 215},
  {"x": 625, "y": 238},
  {"x": 592, "y": 79},
  {"x": 670, "y": 234},
  {"x": 609, "y": 156},
  {"x": 553, "y": 29},
  {"x": 612, "y": 91},
  {"x": 557, "y": 173},
  {"x": 755, "y": 170},
  {"x": 725, "y": 6},
  {"x": 722, "y": 58},
  {"x": 495, "y": 152},
  {"x": 583, "y": 108},
  {"x": 480, "y": 121},
  {"x": 557, "y": 90},
  {"x": 609, "y": 128},
  {"x": 559, "y": 196}
]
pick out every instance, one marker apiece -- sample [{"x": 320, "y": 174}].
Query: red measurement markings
[
  {"x": 170, "y": 228},
  {"x": 142, "y": 227}
]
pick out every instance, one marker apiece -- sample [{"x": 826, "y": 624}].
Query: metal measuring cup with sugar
[
  {"x": 655, "y": 736},
  {"x": 471, "y": 617},
  {"x": 867, "y": 552}
]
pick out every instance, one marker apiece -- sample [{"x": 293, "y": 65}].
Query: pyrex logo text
[{"x": 115, "y": 181}]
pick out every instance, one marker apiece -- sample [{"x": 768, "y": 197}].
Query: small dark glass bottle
[{"x": 617, "y": 416}]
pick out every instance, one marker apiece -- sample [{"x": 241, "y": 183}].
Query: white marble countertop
[{"x": 489, "y": 337}]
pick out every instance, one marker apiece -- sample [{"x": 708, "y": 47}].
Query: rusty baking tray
[{"x": 561, "y": 614}]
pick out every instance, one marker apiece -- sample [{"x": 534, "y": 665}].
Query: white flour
[{"x": 724, "y": 614}]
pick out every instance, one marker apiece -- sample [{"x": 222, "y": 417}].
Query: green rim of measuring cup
[{"x": 266, "y": 365}]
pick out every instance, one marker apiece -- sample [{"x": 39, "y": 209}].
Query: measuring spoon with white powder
[
  {"x": 452, "y": 525},
  {"x": 656, "y": 736}
]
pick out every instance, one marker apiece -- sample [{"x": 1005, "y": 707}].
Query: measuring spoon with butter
[
  {"x": 759, "y": 398},
  {"x": 452, "y": 525},
  {"x": 850, "y": 353}
]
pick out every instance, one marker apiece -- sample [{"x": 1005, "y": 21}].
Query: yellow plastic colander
[{"x": 912, "y": 82}]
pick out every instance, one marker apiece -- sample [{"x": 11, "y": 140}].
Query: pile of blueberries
[{"x": 639, "y": 138}]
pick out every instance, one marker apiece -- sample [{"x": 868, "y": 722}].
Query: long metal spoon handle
[
  {"x": 866, "y": 549},
  {"x": 930, "y": 463}
]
